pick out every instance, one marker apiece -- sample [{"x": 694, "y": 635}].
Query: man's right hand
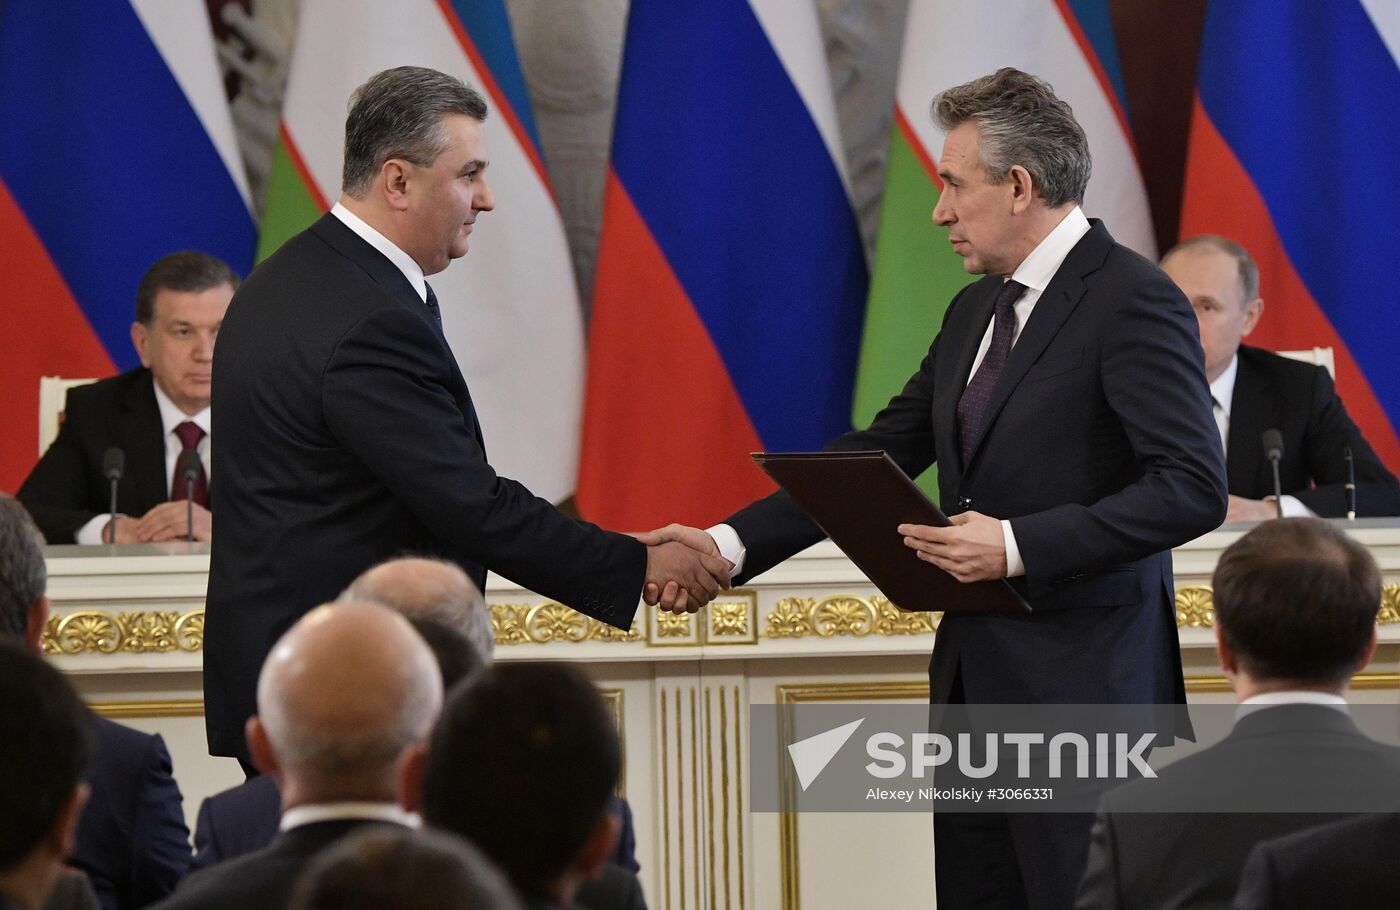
[
  {"x": 126, "y": 531},
  {"x": 682, "y": 579}
]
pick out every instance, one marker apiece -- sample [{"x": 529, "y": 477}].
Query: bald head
[
  {"x": 429, "y": 589},
  {"x": 344, "y": 693}
]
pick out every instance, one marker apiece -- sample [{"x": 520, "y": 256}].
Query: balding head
[
  {"x": 429, "y": 589},
  {"x": 345, "y": 693}
]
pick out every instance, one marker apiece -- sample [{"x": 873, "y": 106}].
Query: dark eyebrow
[{"x": 946, "y": 175}]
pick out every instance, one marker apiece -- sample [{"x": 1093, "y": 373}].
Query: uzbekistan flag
[
  {"x": 1295, "y": 153},
  {"x": 117, "y": 149},
  {"x": 1068, "y": 43},
  {"x": 731, "y": 276},
  {"x": 510, "y": 308}
]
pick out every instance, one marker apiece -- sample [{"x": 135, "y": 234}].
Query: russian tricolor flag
[
  {"x": 1295, "y": 153},
  {"x": 731, "y": 277},
  {"x": 117, "y": 148}
]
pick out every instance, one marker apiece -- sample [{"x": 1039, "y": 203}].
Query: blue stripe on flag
[
  {"x": 1306, "y": 98},
  {"x": 725, "y": 165},
  {"x": 489, "y": 27},
  {"x": 1094, "y": 18},
  {"x": 107, "y": 158}
]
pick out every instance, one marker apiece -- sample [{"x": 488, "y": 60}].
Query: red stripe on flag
[
  {"x": 1220, "y": 198},
  {"x": 494, "y": 90},
  {"x": 49, "y": 336},
  {"x": 303, "y": 171},
  {"x": 1086, "y": 47},
  {"x": 665, "y": 436},
  {"x": 902, "y": 124}
]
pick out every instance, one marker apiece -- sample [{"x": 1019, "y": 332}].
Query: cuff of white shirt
[
  {"x": 91, "y": 533},
  {"x": 730, "y": 547},
  {"x": 1014, "y": 566},
  {"x": 1292, "y": 508}
]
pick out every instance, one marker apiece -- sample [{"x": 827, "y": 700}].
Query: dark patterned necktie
[
  {"x": 189, "y": 435},
  {"x": 433, "y": 307},
  {"x": 972, "y": 406}
]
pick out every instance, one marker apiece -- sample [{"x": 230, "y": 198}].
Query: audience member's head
[
  {"x": 45, "y": 746},
  {"x": 1295, "y": 607},
  {"x": 24, "y": 608},
  {"x": 1222, "y": 282},
  {"x": 456, "y": 657},
  {"x": 431, "y": 588},
  {"x": 346, "y": 700},
  {"x": 541, "y": 733},
  {"x": 180, "y": 304},
  {"x": 403, "y": 868}
]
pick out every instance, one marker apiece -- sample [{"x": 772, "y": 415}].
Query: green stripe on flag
[
  {"x": 916, "y": 275},
  {"x": 290, "y": 208}
]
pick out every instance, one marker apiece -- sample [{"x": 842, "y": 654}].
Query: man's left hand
[
  {"x": 972, "y": 549},
  {"x": 167, "y": 521}
]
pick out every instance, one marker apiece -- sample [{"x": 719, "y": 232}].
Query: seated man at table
[
  {"x": 152, "y": 414},
  {"x": 1255, "y": 390}
]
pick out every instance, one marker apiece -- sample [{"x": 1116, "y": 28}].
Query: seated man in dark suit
[
  {"x": 1255, "y": 390},
  {"x": 151, "y": 413},
  {"x": 45, "y": 743},
  {"x": 1349, "y": 863},
  {"x": 404, "y": 869},
  {"x": 132, "y": 841},
  {"x": 1295, "y": 617},
  {"x": 346, "y": 700},
  {"x": 541, "y": 734},
  {"x": 244, "y": 818}
]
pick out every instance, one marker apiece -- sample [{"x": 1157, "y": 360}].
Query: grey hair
[
  {"x": 458, "y": 606},
  {"x": 398, "y": 114},
  {"x": 1021, "y": 121},
  {"x": 1249, "y": 272},
  {"x": 23, "y": 574}
]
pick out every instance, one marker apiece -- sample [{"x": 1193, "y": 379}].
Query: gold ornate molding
[
  {"x": 140, "y": 632},
  {"x": 1390, "y": 605},
  {"x": 800, "y": 617},
  {"x": 1195, "y": 608},
  {"x": 519, "y": 624}
]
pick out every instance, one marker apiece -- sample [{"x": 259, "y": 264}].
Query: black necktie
[
  {"x": 433, "y": 307},
  {"x": 972, "y": 406}
]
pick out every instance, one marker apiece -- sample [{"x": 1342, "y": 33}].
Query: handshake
[{"x": 684, "y": 568}]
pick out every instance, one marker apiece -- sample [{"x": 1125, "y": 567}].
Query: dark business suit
[
  {"x": 1299, "y": 400},
  {"x": 1349, "y": 863},
  {"x": 1308, "y": 759},
  {"x": 1100, "y": 448},
  {"x": 131, "y": 841},
  {"x": 261, "y": 880},
  {"x": 67, "y": 488},
  {"x": 346, "y": 436}
]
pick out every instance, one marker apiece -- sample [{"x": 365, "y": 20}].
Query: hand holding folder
[{"x": 860, "y": 499}]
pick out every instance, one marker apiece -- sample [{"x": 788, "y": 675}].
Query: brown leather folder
[{"x": 859, "y": 499}]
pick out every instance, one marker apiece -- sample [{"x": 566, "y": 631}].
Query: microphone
[
  {"x": 1350, "y": 484},
  {"x": 113, "y": 466},
  {"x": 189, "y": 465},
  {"x": 1273, "y": 450}
]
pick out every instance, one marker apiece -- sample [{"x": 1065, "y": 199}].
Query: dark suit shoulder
[
  {"x": 107, "y": 395},
  {"x": 1282, "y": 371}
]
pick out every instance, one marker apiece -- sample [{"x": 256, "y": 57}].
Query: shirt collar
[
  {"x": 1045, "y": 260},
  {"x": 398, "y": 257},
  {"x": 1286, "y": 697},
  {"x": 1223, "y": 389},
  {"x": 171, "y": 416},
  {"x": 312, "y": 813}
]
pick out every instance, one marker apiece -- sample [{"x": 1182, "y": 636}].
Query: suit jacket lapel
[
  {"x": 1055, "y": 305},
  {"x": 143, "y": 440},
  {"x": 982, "y": 300},
  {"x": 1252, "y": 409}
]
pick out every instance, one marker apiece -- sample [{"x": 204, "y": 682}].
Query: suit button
[{"x": 964, "y": 502}]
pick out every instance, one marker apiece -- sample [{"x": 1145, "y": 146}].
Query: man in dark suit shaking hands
[
  {"x": 1065, "y": 402},
  {"x": 346, "y": 431}
]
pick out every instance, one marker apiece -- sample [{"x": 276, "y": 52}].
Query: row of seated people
[
  {"x": 156, "y": 412},
  {"x": 346, "y": 704}
]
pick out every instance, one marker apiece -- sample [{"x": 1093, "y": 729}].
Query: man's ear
[
  {"x": 393, "y": 183},
  {"x": 411, "y": 765},
  {"x": 260, "y": 747},
  {"x": 140, "y": 335},
  {"x": 34, "y": 624},
  {"x": 1252, "y": 311},
  {"x": 600, "y": 846},
  {"x": 1022, "y": 188},
  {"x": 64, "y": 830}
]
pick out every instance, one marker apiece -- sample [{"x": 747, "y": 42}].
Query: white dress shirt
[
  {"x": 1222, "y": 395},
  {"x": 1035, "y": 272},
  {"x": 311, "y": 813},
  {"x": 1286, "y": 697},
  {"x": 170, "y": 418},
  {"x": 398, "y": 257}
]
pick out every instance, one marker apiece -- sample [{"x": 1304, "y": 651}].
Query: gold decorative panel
[
  {"x": 140, "y": 632},
  {"x": 519, "y": 624},
  {"x": 732, "y": 619},
  {"x": 1195, "y": 608},
  {"x": 800, "y": 617}
]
